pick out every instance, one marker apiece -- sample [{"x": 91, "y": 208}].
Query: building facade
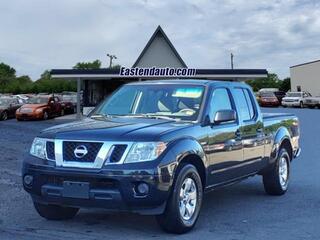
[
  {"x": 159, "y": 52},
  {"x": 306, "y": 77}
]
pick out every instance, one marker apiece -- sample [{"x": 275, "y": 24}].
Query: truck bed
[{"x": 267, "y": 116}]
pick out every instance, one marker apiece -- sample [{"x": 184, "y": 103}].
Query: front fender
[
  {"x": 179, "y": 150},
  {"x": 281, "y": 135},
  {"x": 182, "y": 148}
]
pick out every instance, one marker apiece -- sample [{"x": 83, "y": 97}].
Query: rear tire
[
  {"x": 4, "y": 116},
  {"x": 276, "y": 180},
  {"x": 301, "y": 105},
  {"x": 183, "y": 207},
  {"x": 45, "y": 115},
  {"x": 54, "y": 212}
]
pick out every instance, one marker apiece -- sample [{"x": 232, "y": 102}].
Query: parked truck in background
[
  {"x": 156, "y": 147},
  {"x": 295, "y": 99}
]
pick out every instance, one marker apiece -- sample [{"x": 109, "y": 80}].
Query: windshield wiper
[
  {"x": 150, "y": 115},
  {"x": 105, "y": 116}
]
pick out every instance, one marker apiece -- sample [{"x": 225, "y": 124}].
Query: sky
[{"x": 36, "y": 35}]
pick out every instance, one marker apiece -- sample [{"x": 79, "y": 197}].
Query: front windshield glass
[
  {"x": 180, "y": 102},
  {"x": 4, "y": 101},
  {"x": 37, "y": 100},
  {"x": 69, "y": 98},
  {"x": 267, "y": 94},
  {"x": 294, "y": 94}
]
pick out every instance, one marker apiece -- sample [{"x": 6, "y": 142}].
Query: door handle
[
  {"x": 238, "y": 133},
  {"x": 259, "y": 130}
]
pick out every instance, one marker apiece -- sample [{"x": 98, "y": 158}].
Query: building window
[{"x": 299, "y": 88}]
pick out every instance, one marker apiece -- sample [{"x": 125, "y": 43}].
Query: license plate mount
[{"x": 76, "y": 189}]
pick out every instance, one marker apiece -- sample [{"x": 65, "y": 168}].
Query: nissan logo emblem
[{"x": 80, "y": 151}]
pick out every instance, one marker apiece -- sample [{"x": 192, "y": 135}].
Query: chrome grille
[
  {"x": 69, "y": 148},
  {"x": 50, "y": 150},
  {"x": 117, "y": 153}
]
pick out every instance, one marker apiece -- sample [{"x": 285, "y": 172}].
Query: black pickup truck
[{"x": 156, "y": 147}]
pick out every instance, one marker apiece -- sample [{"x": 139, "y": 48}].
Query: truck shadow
[{"x": 238, "y": 202}]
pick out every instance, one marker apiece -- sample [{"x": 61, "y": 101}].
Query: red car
[
  {"x": 40, "y": 107},
  {"x": 268, "y": 99}
]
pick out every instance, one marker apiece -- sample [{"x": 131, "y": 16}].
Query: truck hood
[{"x": 114, "y": 129}]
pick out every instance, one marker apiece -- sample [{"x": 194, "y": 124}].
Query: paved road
[{"x": 242, "y": 211}]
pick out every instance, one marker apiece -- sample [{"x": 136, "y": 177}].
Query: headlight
[
  {"x": 38, "y": 148},
  {"x": 39, "y": 110},
  {"x": 145, "y": 151}
]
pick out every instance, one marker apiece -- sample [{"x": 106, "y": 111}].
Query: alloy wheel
[
  {"x": 188, "y": 199},
  {"x": 283, "y": 172}
]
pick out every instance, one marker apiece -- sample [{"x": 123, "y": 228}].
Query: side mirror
[{"x": 224, "y": 116}]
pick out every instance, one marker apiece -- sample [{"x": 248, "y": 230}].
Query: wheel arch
[
  {"x": 282, "y": 139},
  {"x": 189, "y": 151},
  {"x": 196, "y": 161}
]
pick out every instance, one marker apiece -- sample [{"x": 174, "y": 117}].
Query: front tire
[
  {"x": 183, "y": 207},
  {"x": 54, "y": 212},
  {"x": 276, "y": 180}
]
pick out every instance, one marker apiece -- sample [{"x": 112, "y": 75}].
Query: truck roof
[{"x": 190, "y": 81}]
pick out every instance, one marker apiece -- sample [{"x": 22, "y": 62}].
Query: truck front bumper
[
  {"x": 291, "y": 104},
  {"x": 108, "y": 189}
]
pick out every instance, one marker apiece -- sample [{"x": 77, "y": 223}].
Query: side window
[
  {"x": 220, "y": 100},
  {"x": 56, "y": 99},
  {"x": 244, "y": 110},
  {"x": 250, "y": 103}
]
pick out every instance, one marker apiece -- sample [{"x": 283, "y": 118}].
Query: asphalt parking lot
[{"x": 242, "y": 211}]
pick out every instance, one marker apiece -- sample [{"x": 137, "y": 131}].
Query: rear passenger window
[
  {"x": 220, "y": 100},
  {"x": 245, "y": 105},
  {"x": 249, "y": 102}
]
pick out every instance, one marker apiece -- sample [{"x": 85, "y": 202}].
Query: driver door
[{"x": 224, "y": 147}]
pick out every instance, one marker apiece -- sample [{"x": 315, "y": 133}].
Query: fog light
[
  {"x": 28, "y": 179},
  {"x": 142, "y": 189}
]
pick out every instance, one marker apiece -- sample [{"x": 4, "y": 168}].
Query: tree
[
  {"x": 88, "y": 65},
  {"x": 7, "y": 74},
  {"x": 49, "y": 85},
  {"x": 272, "y": 81},
  {"x": 285, "y": 85},
  {"x": 7, "y": 71}
]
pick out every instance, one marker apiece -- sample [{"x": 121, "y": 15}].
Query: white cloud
[{"x": 273, "y": 34}]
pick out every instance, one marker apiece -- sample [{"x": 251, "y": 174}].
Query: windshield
[
  {"x": 37, "y": 100},
  {"x": 69, "y": 98},
  {"x": 294, "y": 94},
  {"x": 4, "y": 101},
  {"x": 181, "y": 102},
  {"x": 267, "y": 94}
]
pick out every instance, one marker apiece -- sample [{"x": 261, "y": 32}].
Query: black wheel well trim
[
  {"x": 281, "y": 139},
  {"x": 286, "y": 143},
  {"x": 197, "y": 162}
]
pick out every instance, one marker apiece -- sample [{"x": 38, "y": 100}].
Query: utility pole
[
  {"x": 111, "y": 58},
  {"x": 231, "y": 56}
]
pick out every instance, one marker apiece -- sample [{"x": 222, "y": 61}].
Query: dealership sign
[{"x": 157, "y": 72}]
